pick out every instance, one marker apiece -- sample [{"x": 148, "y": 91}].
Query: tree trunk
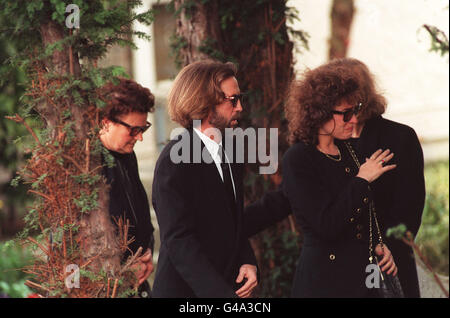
[
  {"x": 62, "y": 62},
  {"x": 195, "y": 26},
  {"x": 97, "y": 234},
  {"x": 341, "y": 20}
]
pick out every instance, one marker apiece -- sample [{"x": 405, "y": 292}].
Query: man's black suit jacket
[{"x": 202, "y": 241}]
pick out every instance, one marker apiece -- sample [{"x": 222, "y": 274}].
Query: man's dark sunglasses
[
  {"x": 134, "y": 130},
  {"x": 234, "y": 99},
  {"x": 348, "y": 114}
]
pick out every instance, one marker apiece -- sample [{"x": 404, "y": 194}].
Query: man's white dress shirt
[{"x": 213, "y": 149}]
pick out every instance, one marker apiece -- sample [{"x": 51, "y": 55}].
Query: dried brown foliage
[{"x": 71, "y": 207}]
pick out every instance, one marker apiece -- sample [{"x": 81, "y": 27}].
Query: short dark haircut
[{"x": 126, "y": 97}]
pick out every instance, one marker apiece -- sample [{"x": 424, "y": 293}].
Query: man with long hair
[{"x": 199, "y": 205}]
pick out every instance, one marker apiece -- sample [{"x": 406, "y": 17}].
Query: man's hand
[
  {"x": 144, "y": 267},
  {"x": 247, "y": 271}
]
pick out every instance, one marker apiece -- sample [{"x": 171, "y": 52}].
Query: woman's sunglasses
[
  {"x": 234, "y": 99},
  {"x": 134, "y": 130},
  {"x": 348, "y": 114}
]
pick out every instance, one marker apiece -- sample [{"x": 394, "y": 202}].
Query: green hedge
[
  {"x": 433, "y": 233},
  {"x": 13, "y": 257}
]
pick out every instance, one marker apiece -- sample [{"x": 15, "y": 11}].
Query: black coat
[
  {"x": 128, "y": 200},
  {"x": 202, "y": 243},
  {"x": 399, "y": 195},
  {"x": 331, "y": 205}
]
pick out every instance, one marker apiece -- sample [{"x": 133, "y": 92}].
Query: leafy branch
[
  {"x": 400, "y": 232},
  {"x": 439, "y": 40}
]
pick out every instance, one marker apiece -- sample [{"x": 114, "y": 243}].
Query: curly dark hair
[
  {"x": 311, "y": 99},
  {"x": 373, "y": 103},
  {"x": 126, "y": 97}
]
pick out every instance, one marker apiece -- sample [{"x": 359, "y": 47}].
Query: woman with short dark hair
[
  {"x": 122, "y": 123},
  {"x": 329, "y": 192}
]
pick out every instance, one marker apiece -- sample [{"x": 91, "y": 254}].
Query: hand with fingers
[
  {"x": 249, "y": 272},
  {"x": 387, "y": 262},
  {"x": 144, "y": 267},
  {"x": 376, "y": 165}
]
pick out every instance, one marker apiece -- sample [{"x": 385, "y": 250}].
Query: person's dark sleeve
[
  {"x": 176, "y": 223},
  {"x": 246, "y": 255},
  {"x": 144, "y": 205},
  {"x": 265, "y": 212},
  {"x": 327, "y": 215},
  {"x": 151, "y": 244},
  {"x": 409, "y": 196}
]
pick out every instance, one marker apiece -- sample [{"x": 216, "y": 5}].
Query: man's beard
[{"x": 220, "y": 122}]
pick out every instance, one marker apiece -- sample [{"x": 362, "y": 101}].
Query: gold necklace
[{"x": 330, "y": 157}]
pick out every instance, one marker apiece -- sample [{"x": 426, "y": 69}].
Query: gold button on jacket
[{"x": 332, "y": 257}]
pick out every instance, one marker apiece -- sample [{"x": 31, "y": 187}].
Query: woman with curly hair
[{"x": 328, "y": 191}]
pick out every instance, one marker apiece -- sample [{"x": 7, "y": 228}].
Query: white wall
[{"x": 315, "y": 20}]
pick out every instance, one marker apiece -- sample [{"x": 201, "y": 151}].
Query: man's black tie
[{"x": 227, "y": 180}]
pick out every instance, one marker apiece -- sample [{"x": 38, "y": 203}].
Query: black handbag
[{"x": 389, "y": 285}]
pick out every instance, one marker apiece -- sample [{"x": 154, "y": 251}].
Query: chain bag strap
[
  {"x": 390, "y": 287},
  {"x": 372, "y": 212}
]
